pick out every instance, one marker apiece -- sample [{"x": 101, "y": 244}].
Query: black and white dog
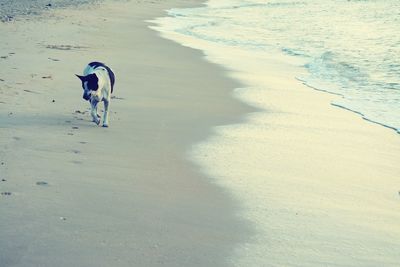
[{"x": 98, "y": 84}]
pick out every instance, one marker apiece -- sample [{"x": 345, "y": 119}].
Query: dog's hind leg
[
  {"x": 105, "y": 116},
  {"x": 93, "y": 111}
]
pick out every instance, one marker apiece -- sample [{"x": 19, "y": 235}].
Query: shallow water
[{"x": 351, "y": 48}]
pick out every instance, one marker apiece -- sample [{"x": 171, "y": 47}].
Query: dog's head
[{"x": 89, "y": 84}]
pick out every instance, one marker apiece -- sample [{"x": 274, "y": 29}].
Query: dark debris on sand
[{"x": 10, "y": 9}]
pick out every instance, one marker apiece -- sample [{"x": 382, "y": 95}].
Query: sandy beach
[
  {"x": 75, "y": 194},
  {"x": 187, "y": 174}
]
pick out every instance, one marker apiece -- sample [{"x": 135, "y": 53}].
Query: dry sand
[
  {"x": 75, "y": 194},
  {"x": 11, "y": 10}
]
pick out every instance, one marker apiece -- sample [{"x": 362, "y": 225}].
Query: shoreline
[
  {"x": 313, "y": 178},
  {"x": 80, "y": 195},
  {"x": 362, "y": 115}
]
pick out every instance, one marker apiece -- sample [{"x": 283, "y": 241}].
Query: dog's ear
[{"x": 82, "y": 78}]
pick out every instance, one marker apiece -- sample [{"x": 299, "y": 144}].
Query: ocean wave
[{"x": 354, "y": 53}]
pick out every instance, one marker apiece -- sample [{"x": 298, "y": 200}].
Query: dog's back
[{"x": 91, "y": 68}]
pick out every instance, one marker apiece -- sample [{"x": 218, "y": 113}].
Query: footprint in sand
[
  {"x": 66, "y": 47},
  {"x": 117, "y": 97},
  {"x": 30, "y": 91}
]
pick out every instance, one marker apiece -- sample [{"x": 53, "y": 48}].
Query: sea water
[{"x": 350, "y": 48}]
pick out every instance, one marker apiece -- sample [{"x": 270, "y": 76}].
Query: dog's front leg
[
  {"x": 105, "y": 116},
  {"x": 93, "y": 111}
]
